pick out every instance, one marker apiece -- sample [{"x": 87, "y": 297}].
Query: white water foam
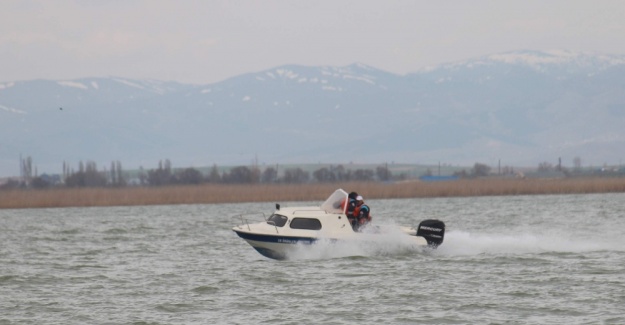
[
  {"x": 391, "y": 241},
  {"x": 462, "y": 243},
  {"x": 383, "y": 241}
]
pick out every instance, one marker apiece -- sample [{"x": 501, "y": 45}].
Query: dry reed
[{"x": 211, "y": 193}]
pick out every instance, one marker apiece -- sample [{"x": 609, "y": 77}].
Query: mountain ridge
[{"x": 521, "y": 107}]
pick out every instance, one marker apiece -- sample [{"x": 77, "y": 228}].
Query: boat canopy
[{"x": 335, "y": 203}]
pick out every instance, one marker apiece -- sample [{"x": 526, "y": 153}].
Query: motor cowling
[{"x": 433, "y": 231}]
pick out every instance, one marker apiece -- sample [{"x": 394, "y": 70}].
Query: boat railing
[{"x": 247, "y": 219}]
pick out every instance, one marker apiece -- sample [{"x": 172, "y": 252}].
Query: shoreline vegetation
[{"x": 279, "y": 193}]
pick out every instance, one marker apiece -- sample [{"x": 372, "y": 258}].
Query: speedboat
[{"x": 289, "y": 227}]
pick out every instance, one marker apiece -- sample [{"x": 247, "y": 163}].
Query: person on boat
[
  {"x": 362, "y": 213},
  {"x": 351, "y": 203},
  {"x": 348, "y": 204}
]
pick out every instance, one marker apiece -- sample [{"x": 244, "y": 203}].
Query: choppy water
[{"x": 505, "y": 260}]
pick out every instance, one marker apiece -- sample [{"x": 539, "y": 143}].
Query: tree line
[{"x": 89, "y": 175}]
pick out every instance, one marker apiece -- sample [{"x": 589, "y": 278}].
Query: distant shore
[{"x": 219, "y": 193}]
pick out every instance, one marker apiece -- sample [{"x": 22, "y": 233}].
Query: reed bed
[{"x": 211, "y": 193}]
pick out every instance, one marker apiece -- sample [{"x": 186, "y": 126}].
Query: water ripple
[{"x": 519, "y": 260}]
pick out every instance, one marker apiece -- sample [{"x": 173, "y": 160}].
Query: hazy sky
[{"x": 208, "y": 41}]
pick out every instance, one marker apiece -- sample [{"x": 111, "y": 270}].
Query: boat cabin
[{"x": 329, "y": 218}]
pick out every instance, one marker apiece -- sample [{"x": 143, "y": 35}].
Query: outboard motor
[{"x": 433, "y": 231}]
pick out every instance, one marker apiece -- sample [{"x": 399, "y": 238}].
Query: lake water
[{"x": 505, "y": 260}]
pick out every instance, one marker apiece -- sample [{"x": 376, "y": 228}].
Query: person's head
[
  {"x": 360, "y": 200},
  {"x": 352, "y": 195}
]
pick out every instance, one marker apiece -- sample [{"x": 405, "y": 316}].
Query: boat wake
[
  {"x": 462, "y": 243},
  {"x": 457, "y": 243}
]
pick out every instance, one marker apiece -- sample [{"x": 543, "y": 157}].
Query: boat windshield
[
  {"x": 335, "y": 203},
  {"x": 277, "y": 220}
]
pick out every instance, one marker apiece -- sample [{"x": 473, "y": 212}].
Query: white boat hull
[{"x": 288, "y": 229}]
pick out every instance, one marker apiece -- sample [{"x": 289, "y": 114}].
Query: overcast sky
[{"x": 208, "y": 41}]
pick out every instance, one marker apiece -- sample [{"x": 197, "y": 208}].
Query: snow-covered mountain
[{"x": 519, "y": 107}]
